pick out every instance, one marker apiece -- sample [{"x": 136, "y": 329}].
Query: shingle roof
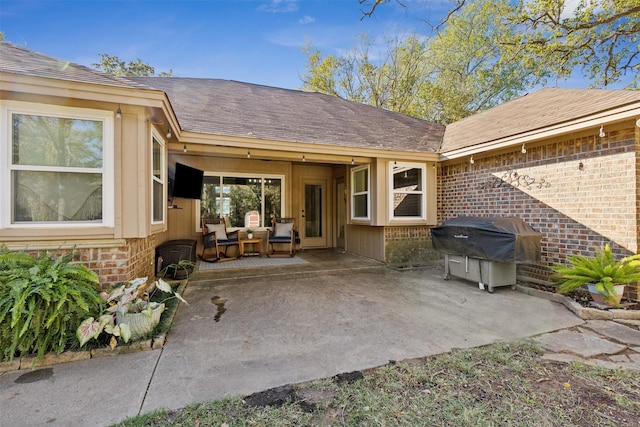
[
  {"x": 537, "y": 110},
  {"x": 18, "y": 60},
  {"x": 225, "y": 107}
]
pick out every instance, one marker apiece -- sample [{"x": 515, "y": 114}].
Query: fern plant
[
  {"x": 603, "y": 271},
  {"x": 43, "y": 299}
]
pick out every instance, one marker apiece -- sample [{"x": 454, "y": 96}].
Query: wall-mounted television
[{"x": 186, "y": 182}]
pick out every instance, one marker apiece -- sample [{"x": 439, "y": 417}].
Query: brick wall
[
  {"x": 580, "y": 193},
  {"x": 115, "y": 264},
  {"x": 408, "y": 246}
]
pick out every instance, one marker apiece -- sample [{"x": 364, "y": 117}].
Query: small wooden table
[{"x": 257, "y": 246}]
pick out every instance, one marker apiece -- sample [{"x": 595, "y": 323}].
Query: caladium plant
[{"x": 125, "y": 298}]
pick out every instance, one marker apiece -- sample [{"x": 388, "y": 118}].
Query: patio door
[{"x": 313, "y": 226}]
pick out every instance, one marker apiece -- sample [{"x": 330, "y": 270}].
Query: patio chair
[
  {"x": 283, "y": 233},
  {"x": 216, "y": 237}
]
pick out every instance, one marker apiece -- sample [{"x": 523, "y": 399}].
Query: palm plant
[{"x": 603, "y": 271}]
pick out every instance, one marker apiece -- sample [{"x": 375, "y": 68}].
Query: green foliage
[
  {"x": 113, "y": 65},
  {"x": 554, "y": 37},
  {"x": 177, "y": 269},
  {"x": 602, "y": 270},
  {"x": 392, "y": 83},
  {"x": 42, "y": 301},
  {"x": 457, "y": 73},
  {"x": 468, "y": 71},
  {"x": 125, "y": 298},
  {"x": 600, "y": 36}
]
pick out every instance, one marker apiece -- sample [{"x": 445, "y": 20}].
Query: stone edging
[
  {"x": 30, "y": 362},
  {"x": 585, "y": 313}
]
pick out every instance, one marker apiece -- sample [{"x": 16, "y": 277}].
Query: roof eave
[
  {"x": 297, "y": 148},
  {"x": 44, "y": 86},
  {"x": 595, "y": 120}
]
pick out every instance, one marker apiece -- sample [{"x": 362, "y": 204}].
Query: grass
[{"x": 501, "y": 384}]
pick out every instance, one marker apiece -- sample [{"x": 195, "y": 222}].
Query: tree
[
  {"x": 458, "y": 72},
  {"x": 391, "y": 83},
  {"x": 470, "y": 73},
  {"x": 117, "y": 67},
  {"x": 600, "y": 37}
]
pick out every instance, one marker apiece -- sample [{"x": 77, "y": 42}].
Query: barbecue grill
[{"x": 486, "y": 250}]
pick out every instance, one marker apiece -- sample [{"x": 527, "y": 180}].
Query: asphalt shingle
[
  {"x": 537, "y": 110},
  {"x": 226, "y": 107},
  {"x": 18, "y": 60}
]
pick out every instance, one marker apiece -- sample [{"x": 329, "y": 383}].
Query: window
[
  {"x": 59, "y": 166},
  {"x": 157, "y": 179},
  {"x": 234, "y": 196},
  {"x": 408, "y": 183},
  {"x": 360, "y": 193}
]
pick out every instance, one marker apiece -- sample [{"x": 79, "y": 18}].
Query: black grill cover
[{"x": 507, "y": 239}]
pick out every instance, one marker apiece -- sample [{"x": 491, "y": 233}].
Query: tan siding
[{"x": 366, "y": 241}]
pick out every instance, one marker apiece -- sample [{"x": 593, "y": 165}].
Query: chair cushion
[
  {"x": 282, "y": 229},
  {"x": 220, "y": 229}
]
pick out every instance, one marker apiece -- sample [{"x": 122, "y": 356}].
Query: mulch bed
[{"x": 583, "y": 297}]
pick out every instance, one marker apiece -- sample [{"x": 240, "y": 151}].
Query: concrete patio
[{"x": 246, "y": 330}]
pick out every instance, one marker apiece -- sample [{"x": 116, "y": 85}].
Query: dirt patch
[
  {"x": 349, "y": 377},
  {"x": 277, "y": 396}
]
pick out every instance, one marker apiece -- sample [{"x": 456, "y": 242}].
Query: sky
[{"x": 254, "y": 41}]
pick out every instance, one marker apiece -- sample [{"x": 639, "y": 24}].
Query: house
[{"x": 89, "y": 159}]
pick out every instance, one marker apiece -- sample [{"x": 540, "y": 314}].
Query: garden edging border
[{"x": 586, "y": 313}]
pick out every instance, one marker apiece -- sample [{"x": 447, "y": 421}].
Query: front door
[{"x": 313, "y": 228}]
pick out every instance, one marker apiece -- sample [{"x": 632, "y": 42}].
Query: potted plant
[
  {"x": 605, "y": 276},
  {"x": 129, "y": 313},
  {"x": 179, "y": 270},
  {"x": 249, "y": 233}
]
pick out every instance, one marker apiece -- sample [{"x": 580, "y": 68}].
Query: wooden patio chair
[
  {"x": 216, "y": 237},
  {"x": 283, "y": 233}
]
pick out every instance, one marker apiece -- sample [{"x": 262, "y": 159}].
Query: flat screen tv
[{"x": 187, "y": 182}]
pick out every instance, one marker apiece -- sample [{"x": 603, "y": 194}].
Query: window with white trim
[
  {"x": 236, "y": 196},
  {"x": 360, "y": 193},
  {"x": 157, "y": 179},
  {"x": 59, "y": 166},
  {"x": 407, "y": 189}
]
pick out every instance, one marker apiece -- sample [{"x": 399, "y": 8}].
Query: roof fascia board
[
  {"x": 81, "y": 90},
  {"x": 610, "y": 116},
  {"x": 300, "y": 147},
  {"x": 151, "y": 98},
  {"x": 267, "y": 154}
]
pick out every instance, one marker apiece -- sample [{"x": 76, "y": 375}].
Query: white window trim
[
  {"x": 7, "y": 108},
  {"x": 243, "y": 175},
  {"x": 163, "y": 176},
  {"x": 423, "y": 192},
  {"x": 367, "y": 192}
]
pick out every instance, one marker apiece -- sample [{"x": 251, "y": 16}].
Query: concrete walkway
[{"x": 250, "y": 330}]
